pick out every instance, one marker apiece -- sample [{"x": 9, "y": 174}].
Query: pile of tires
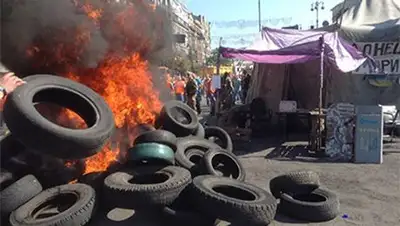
[
  {"x": 301, "y": 197},
  {"x": 187, "y": 173},
  {"x": 33, "y": 178},
  {"x": 178, "y": 169}
]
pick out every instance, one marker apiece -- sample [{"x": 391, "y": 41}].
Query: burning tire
[
  {"x": 38, "y": 133},
  {"x": 184, "y": 145},
  {"x": 148, "y": 186},
  {"x": 294, "y": 181},
  {"x": 316, "y": 206},
  {"x": 215, "y": 162},
  {"x": 151, "y": 152},
  {"x": 70, "y": 204},
  {"x": 157, "y": 136},
  {"x": 233, "y": 201},
  {"x": 222, "y": 137},
  {"x": 18, "y": 193},
  {"x": 179, "y": 118}
]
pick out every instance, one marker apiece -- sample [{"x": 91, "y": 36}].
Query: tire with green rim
[
  {"x": 157, "y": 136},
  {"x": 151, "y": 151}
]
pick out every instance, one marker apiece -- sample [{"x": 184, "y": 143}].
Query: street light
[{"x": 317, "y": 5}]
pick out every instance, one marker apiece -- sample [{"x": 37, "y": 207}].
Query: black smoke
[{"x": 51, "y": 36}]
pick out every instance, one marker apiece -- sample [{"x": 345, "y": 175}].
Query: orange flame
[{"x": 125, "y": 83}]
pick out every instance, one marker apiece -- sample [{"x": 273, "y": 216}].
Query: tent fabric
[
  {"x": 281, "y": 46},
  {"x": 369, "y": 21}
]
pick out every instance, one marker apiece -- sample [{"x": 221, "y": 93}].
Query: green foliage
[
  {"x": 178, "y": 63},
  {"x": 212, "y": 59}
]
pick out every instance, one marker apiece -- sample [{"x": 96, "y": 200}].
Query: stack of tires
[
  {"x": 22, "y": 197},
  {"x": 189, "y": 174},
  {"x": 301, "y": 197}
]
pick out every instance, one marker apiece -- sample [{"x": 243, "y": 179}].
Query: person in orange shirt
[
  {"x": 170, "y": 83},
  {"x": 179, "y": 88}
]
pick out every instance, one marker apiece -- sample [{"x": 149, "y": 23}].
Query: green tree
[
  {"x": 178, "y": 63},
  {"x": 212, "y": 59}
]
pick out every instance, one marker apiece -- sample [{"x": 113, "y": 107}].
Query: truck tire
[
  {"x": 169, "y": 116},
  {"x": 224, "y": 139},
  {"x": 216, "y": 161},
  {"x": 76, "y": 202},
  {"x": 46, "y": 137},
  {"x": 18, "y": 193},
  {"x": 148, "y": 186},
  {"x": 188, "y": 143},
  {"x": 234, "y": 201},
  {"x": 316, "y": 206},
  {"x": 294, "y": 181}
]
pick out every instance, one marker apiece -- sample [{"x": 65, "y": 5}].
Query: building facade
[{"x": 193, "y": 31}]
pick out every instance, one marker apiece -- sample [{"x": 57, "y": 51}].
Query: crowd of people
[{"x": 191, "y": 89}]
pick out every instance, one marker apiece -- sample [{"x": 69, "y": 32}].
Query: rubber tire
[
  {"x": 151, "y": 151},
  {"x": 187, "y": 143},
  {"x": 208, "y": 167},
  {"x": 200, "y": 132},
  {"x": 119, "y": 191},
  {"x": 221, "y": 134},
  {"x": 311, "y": 211},
  {"x": 41, "y": 135},
  {"x": 307, "y": 181},
  {"x": 18, "y": 193},
  {"x": 157, "y": 136},
  {"x": 260, "y": 211},
  {"x": 78, "y": 214},
  {"x": 6, "y": 179},
  {"x": 173, "y": 125}
]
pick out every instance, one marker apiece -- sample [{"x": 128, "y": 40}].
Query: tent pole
[
  {"x": 321, "y": 86},
  {"x": 217, "y": 101}
]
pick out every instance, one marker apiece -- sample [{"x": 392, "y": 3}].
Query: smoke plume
[{"x": 51, "y": 36}]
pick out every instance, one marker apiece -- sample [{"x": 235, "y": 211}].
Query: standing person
[
  {"x": 199, "y": 92},
  {"x": 191, "y": 90},
  {"x": 227, "y": 89},
  {"x": 205, "y": 88},
  {"x": 245, "y": 85},
  {"x": 170, "y": 84},
  {"x": 179, "y": 88},
  {"x": 236, "y": 88},
  {"x": 210, "y": 94}
]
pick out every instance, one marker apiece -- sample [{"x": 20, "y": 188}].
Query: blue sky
[{"x": 295, "y": 12}]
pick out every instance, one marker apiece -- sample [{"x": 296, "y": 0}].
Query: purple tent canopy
[{"x": 280, "y": 46}]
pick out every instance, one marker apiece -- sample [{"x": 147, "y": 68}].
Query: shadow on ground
[{"x": 114, "y": 216}]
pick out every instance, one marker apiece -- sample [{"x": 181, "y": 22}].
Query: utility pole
[{"x": 316, "y": 6}]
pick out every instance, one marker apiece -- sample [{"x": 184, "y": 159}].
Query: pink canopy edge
[{"x": 284, "y": 46}]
